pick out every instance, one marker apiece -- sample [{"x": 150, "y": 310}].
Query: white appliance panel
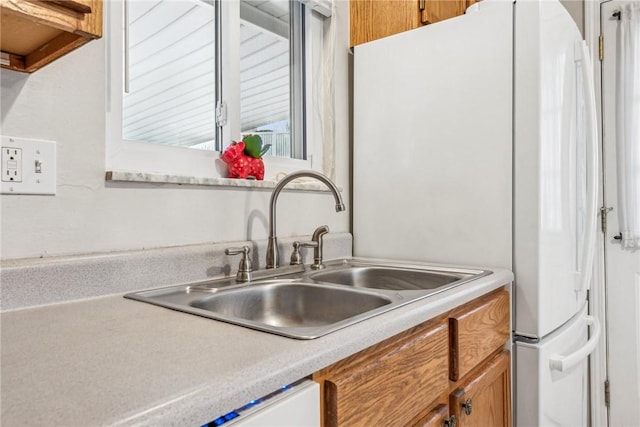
[
  {"x": 545, "y": 395},
  {"x": 299, "y": 407},
  {"x": 432, "y": 152},
  {"x": 479, "y": 170},
  {"x": 550, "y": 168}
]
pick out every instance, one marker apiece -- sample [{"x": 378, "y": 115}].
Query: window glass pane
[
  {"x": 171, "y": 73},
  {"x": 265, "y": 73}
]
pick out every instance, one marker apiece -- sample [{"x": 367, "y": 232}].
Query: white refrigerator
[{"x": 475, "y": 144}]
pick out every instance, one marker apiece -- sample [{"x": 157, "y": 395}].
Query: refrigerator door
[
  {"x": 551, "y": 376},
  {"x": 555, "y": 176},
  {"x": 432, "y": 142}
]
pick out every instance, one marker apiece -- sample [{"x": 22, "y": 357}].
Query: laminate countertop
[{"x": 114, "y": 361}]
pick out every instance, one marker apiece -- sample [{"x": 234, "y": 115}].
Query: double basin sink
[{"x": 298, "y": 302}]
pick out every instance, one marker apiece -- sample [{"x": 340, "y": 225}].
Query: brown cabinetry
[
  {"x": 391, "y": 383},
  {"x": 34, "y": 33},
  {"x": 477, "y": 330},
  {"x": 436, "y": 418},
  {"x": 374, "y": 19},
  {"x": 408, "y": 380},
  {"x": 484, "y": 399}
]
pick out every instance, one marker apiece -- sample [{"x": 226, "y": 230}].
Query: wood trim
[
  {"x": 75, "y": 5},
  {"x": 91, "y": 25},
  {"x": 61, "y": 45},
  {"x": 42, "y": 13},
  {"x": 12, "y": 62}
]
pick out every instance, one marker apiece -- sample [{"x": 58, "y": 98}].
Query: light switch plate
[{"x": 37, "y": 164}]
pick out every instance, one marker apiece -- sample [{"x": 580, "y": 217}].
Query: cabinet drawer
[
  {"x": 477, "y": 330},
  {"x": 390, "y": 383}
]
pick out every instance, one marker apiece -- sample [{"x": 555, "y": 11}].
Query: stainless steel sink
[
  {"x": 287, "y": 305},
  {"x": 395, "y": 277},
  {"x": 302, "y": 303}
]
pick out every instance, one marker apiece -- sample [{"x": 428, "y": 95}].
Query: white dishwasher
[{"x": 295, "y": 405}]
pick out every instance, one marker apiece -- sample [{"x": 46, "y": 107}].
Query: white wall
[
  {"x": 576, "y": 10},
  {"x": 65, "y": 102}
]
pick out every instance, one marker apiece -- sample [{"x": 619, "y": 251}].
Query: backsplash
[{"x": 39, "y": 281}]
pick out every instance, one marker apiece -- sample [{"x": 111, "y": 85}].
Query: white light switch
[{"x": 28, "y": 166}]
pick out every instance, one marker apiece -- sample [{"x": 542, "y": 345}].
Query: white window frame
[{"x": 144, "y": 157}]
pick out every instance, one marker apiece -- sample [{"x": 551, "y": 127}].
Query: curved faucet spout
[{"x": 273, "y": 260}]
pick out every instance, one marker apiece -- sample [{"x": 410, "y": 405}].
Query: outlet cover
[
  {"x": 11, "y": 164},
  {"x": 34, "y": 160}
]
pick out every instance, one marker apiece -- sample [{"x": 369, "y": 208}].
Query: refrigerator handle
[
  {"x": 586, "y": 264},
  {"x": 564, "y": 363}
]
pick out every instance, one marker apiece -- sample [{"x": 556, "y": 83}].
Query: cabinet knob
[
  {"x": 450, "y": 422},
  {"x": 468, "y": 406}
]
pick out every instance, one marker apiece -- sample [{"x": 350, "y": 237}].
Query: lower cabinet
[
  {"x": 407, "y": 380},
  {"x": 484, "y": 399}
]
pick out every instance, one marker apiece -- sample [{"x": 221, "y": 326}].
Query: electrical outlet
[
  {"x": 28, "y": 166},
  {"x": 11, "y": 164}
]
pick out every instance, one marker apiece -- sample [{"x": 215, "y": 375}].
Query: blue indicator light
[
  {"x": 235, "y": 414},
  {"x": 230, "y": 416},
  {"x": 223, "y": 419}
]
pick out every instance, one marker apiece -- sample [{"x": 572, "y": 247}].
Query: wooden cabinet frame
[
  {"x": 34, "y": 32},
  {"x": 374, "y": 19}
]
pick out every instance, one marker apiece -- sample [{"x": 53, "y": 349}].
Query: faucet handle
[
  {"x": 317, "y": 252},
  {"x": 245, "y": 268},
  {"x": 296, "y": 258}
]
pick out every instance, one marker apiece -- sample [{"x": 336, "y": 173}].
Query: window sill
[{"x": 160, "y": 178}]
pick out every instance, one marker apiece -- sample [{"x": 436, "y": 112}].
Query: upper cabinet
[
  {"x": 374, "y": 19},
  {"x": 34, "y": 33}
]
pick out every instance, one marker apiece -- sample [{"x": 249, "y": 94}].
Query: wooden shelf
[{"x": 34, "y": 33}]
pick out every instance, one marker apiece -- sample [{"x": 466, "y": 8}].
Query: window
[
  {"x": 187, "y": 77},
  {"x": 170, "y": 73}
]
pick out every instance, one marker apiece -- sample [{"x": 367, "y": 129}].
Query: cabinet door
[
  {"x": 390, "y": 383},
  {"x": 484, "y": 399},
  {"x": 439, "y": 10},
  {"x": 374, "y": 19}
]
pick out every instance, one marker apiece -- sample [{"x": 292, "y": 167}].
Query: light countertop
[{"x": 113, "y": 361}]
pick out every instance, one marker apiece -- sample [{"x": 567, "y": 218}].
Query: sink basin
[
  {"x": 284, "y": 307},
  {"x": 291, "y": 304},
  {"x": 395, "y": 278},
  {"x": 298, "y": 302}
]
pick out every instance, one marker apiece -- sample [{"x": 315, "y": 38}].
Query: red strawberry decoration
[{"x": 244, "y": 158}]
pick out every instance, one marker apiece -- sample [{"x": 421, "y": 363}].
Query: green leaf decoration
[
  {"x": 265, "y": 149},
  {"x": 253, "y": 146}
]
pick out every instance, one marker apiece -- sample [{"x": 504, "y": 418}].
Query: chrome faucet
[
  {"x": 315, "y": 243},
  {"x": 273, "y": 257},
  {"x": 317, "y": 250}
]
